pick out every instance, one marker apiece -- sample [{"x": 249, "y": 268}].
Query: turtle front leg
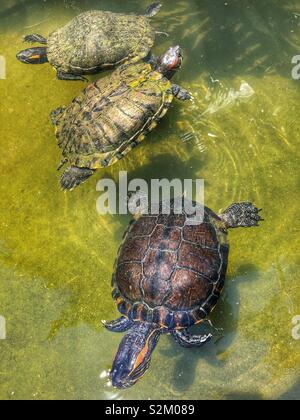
[
  {"x": 35, "y": 38},
  {"x": 181, "y": 94},
  {"x": 241, "y": 215},
  {"x": 187, "y": 340},
  {"x": 74, "y": 176},
  {"x": 70, "y": 76},
  {"x": 120, "y": 325}
]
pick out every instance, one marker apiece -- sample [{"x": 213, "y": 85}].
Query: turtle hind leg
[
  {"x": 120, "y": 325},
  {"x": 73, "y": 176},
  {"x": 187, "y": 340},
  {"x": 241, "y": 215},
  {"x": 70, "y": 76},
  {"x": 35, "y": 38}
]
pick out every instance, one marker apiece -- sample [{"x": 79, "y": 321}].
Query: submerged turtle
[
  {"x": 111, "y": 117},
  {"x": 92, "y": 41},
  {"x": 168, "y": 276}
]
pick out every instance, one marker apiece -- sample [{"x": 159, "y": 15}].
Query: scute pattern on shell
[
  {"x": 96, "y": 39},
  {"x": 111, "y": 116},
  {"x": 169, "y": 272}
]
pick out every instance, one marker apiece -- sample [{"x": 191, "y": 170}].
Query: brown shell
[
  {"x": 169, "y": 272},
  {"x": 112, "y": 116}
]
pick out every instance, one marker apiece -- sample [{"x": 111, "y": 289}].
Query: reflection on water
[
  {"x": 57, "y": 253},
  {"x": 228, "y": 98}
]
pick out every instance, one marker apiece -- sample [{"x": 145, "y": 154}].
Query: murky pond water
[{"x": 57, "y": 252}]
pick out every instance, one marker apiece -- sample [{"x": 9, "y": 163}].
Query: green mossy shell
[{"x": 95, "y": 40}]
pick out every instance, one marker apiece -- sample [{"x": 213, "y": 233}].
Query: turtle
[
  {"x": 92, "y": 41},
  {"x": 113, "y": 115},
  {"x": 168, "y": 277}
]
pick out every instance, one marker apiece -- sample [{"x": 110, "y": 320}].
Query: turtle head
[
  {"x": 134, "y": 355},
  {"x": 170, "y": 62},
  {"x": 36, "y": 55}
]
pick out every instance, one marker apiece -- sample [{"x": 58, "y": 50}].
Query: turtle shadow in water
[
  {"x": 164, "y": 166},
  {"x": 292, "y": 394},
  {"x": 226, "y": 318},
  {"x": 243, "y": 396}
]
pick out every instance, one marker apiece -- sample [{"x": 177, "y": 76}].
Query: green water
[{"x": 57, "y": 252}]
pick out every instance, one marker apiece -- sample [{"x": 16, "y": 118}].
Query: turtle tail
[{"x": 153, "y": 9}]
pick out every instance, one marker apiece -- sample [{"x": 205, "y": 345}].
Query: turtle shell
[
  {"x": 169, "y": 272},
  {"x": 96, "y": 39},
  {"x": 111, "y": 117}
]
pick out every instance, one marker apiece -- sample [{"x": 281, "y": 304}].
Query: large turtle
[
  {"x": 111, "y": 117},
  {"x": 168, "y": 276},
  {"x": 92, "y": 41}
]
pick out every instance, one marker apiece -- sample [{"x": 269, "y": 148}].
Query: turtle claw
[
  {"x": 73, "y": 177},
  {"x": 254, "y": 217},
  {"x": 56, "y": 114},
  {"x": 181, "y": 94},
  {"x": 66, "y": 183},
  {"x": 119, "y": 325},
  {"x": 27, "y": 38}
]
